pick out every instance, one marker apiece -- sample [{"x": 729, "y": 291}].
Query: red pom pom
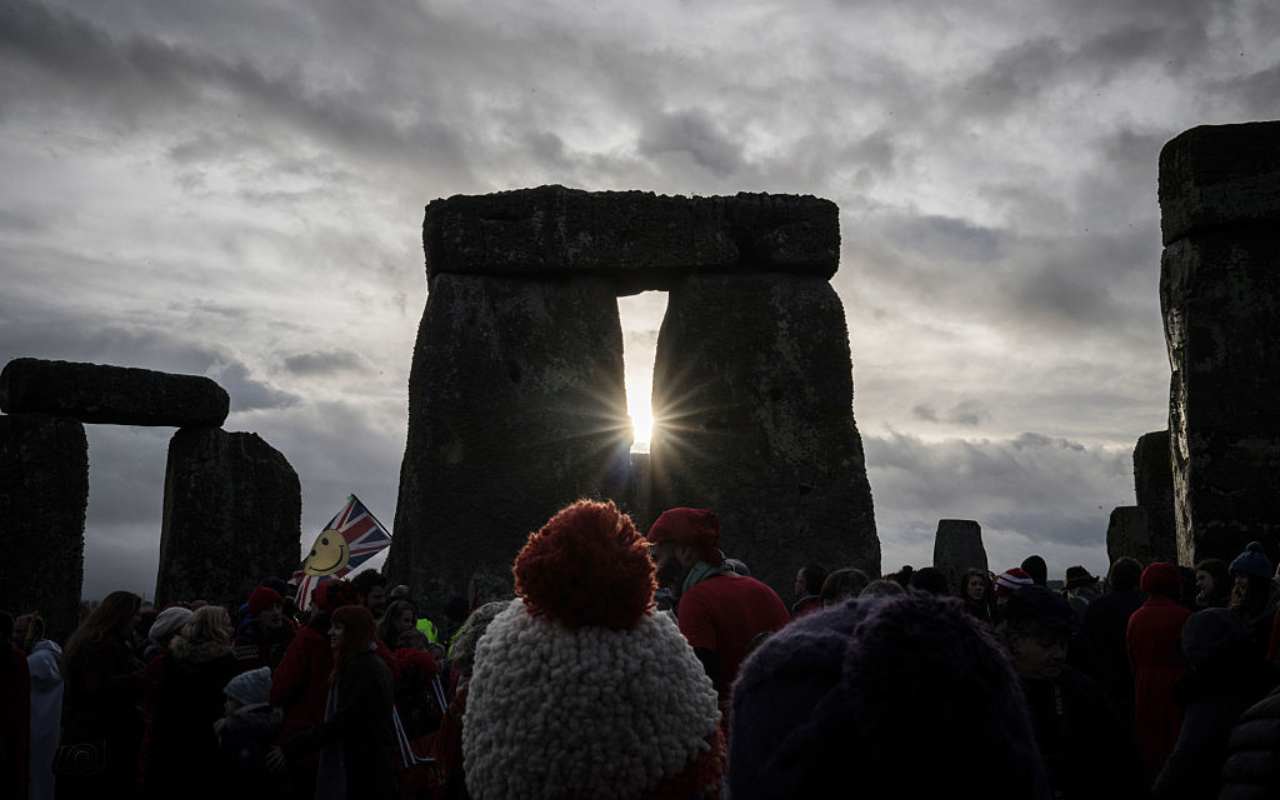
[{"x": 588, "y": 566}]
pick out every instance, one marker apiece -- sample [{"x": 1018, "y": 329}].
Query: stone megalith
[
  {"x": 44, "y": 491},
  {"x": 1153, "y": 484},
  {"x": 1129, "y": 535},
  {"x": 957, "y": 546},
  {"x": 517, "y": 407},
  {"x": 1220, "y": 298},
  {"x": 232, "y": 516},
  {"x": 753, "y": 417},
  {"x": 113, "y": 395}
]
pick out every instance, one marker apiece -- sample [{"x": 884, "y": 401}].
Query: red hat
[
  {"x": 262, "y": 599},
  {"x": 698, "y": 528},
  {"x": 1162, "y": 578},
  {"x": 1012, "y": 580}
]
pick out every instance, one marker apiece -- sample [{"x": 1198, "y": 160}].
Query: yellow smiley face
[{"x": 328, "y": 555}]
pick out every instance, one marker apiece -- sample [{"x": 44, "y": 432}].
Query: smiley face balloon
[{"x": 329, "y": 554}]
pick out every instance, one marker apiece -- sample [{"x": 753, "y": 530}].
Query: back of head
[
  {"x": 1036, "y": 567},
  {"x": 842, "y": 583},
  {"x": 879, "y": 687},
  {"x": 882, "y": 587},
  {"x": 931, "y": 580},
  {"x": 207, "y": 633},
  {"x": 113, "y": 616},
  {"x": 1037, "y": 611},
  {"x": 814, "y": 577},
  {"x": 357, "y": 633},
  {"x": 463, "y": 649},
  {"x": 1162, "y": 578},
  {"x": 1124, "y": 575},
  {"x": 367, "y": 580},
  {"x": 1253, "y": 563}
]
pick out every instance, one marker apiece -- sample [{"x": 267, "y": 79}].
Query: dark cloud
[
  {"x": 325, "y": 362},
  {"x": 693, "y": 132},
  {"x": 249, "y": 393}
]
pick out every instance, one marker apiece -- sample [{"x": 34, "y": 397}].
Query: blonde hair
[{"x": 208, "y": 628}]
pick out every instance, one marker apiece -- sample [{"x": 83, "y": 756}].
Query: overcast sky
[{"x": 236, "y": 189}]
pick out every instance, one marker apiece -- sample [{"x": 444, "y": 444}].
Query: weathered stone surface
[
  {"x": 957, "y": 546},
  {"x": 647, "y": 238},
  {"x": 1220, "y": 295},
  {"x": 517, "y": 406},
  {"x": 44, "y": 490},
  {"x": 112, "y": 395},
  {"x": 1153, "y": 484},
  {"x": 753, "y": 410},
  {"x": 1220, "y": 175},
  {"x": 1129, "y": 534},
  {"x": 232, "y": 517}
]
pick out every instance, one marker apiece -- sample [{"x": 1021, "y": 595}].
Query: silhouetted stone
[
  {"x": 1129, "y": 535},
  {"x": 232, "y": 517},
  {"x": 753, "y": 410},
  {"x": 517, "y": 407},
  {"x": 44, "y": 490},
  {"x": 1153, "y": 484},
  {"x": 629, "y": 236},
  {"x": 112, "y": 395},
  {"x": 1215, "y": 176},
  {"x": 1220, "y": 294},
  {"x": 957, "y": 547}
]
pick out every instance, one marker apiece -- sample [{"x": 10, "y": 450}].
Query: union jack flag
[{"x": 351, "y": 538}]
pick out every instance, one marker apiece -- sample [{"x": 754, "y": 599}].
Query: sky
[{"x": 235, "y": 189}]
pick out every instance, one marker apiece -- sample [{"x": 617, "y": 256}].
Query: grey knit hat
[
  {"x": 168, "y": 622},
  {"x": 250, "y": 688}
]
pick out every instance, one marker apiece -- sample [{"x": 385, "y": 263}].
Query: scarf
[{"x": 701, "y": 572}]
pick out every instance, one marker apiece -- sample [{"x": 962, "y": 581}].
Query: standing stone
[
  {"x": 1153, "y": 483},
  {"x": 232, "y": 517},
  {"x": 753, "y": 410},
  {"x": 112, "y": 395},
  {"x": 957, "y": 547},
  {"x": 517, "y": 407},
  {"x": 1129, "y": 535},
  {"x": 44, "y": 491},
  {"x": 1220, "y": 297}
]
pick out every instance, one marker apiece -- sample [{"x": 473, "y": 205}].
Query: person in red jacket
[
  {"x": 720, "y": 613},
  {"x": 1154, "y": 643}
]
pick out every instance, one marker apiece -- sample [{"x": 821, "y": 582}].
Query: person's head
[
  {"x": 399, "y": 592},
  {"x": 1251, "y": 573},
  {"x": 903, "y": 576},
  {"x": 975, "y": 586},
  {"x": 167, "y": 625},
  {"x": 1079, "y": 579},
  {"x": 882, "y": 587},
  {"x": 207, "y": 632},
  {"x": 463, "y": 649},
  {"x": 680, "y": 538},
  {"x": 809, "y": 579},
  {"x": 1162, "y": 579},
  {"x": 400, "y": 617},
  {"x": 931, "y": 580},
  {"x": 1036, "y": 567},
  {"x": 412, "y": 639},
  {"x": 842, "y": 693},
  {"x": 250, "y": 688},
  {"x": 266, "y": 605},
  {"x": 1035, "y": 627},
  {"x": 351, "y": 631},
  {"x": 371, "y": 586},
  {"x": 28, "y": 629},
  {"x": 1213, "y": 583},
  {"x": 1009, "y": 583},
  {"x": 112, "y": 620},
  {"x": 843, "y": 584},
  {"x": 1124, "y": 575}
]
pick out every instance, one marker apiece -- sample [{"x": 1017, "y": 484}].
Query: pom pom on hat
[
  {"x": 588, "y": 566},
  {"x": 263, "y": 598},
  {"x": 698, "y": 528},
  {"x": 1253, "y": 561}
]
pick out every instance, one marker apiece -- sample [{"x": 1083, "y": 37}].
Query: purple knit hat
[{"x": 906, "y": 691}]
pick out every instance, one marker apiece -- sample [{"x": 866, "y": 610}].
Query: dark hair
[
  {"x": 842, "y": 583},
  {"x": 1037, "y": 569},
  {"x": 357, "y": 635},
  {"x": 963, "y": 589},
  {"x": 813, "y": 576},
  {"x": 902, "y": 577},
  {"x": 365, "y": 582},
  {"x": 1125, "y": 574},
  {"x": 387, "y": 628},
  {"x": 931, "y": 580},
  {"x": 1037, "y": 611},
  {"x": 112, "y": 615},
  {"x": 1221, "y": 574}
]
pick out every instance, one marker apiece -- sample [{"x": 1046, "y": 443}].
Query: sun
[{"x": 641, "y": 413}]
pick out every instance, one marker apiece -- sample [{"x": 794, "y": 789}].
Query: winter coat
[
  {"x": 45, "y": 667},
  {"x": 1252, "y": 771},
  {"x": 15, "y": 721},
  {"x": 103, "y": 691},
  {"x": 189, "y": 700},
  {"x": 1104, "y": 651},
  {"x": 258, "y": 646},
  {"x": 300, "y": 684},
  {"x": 1213, "y": 695},
  {"x": 420, "y": 711},
  {"x": 1155, "y": 653},
  {"x": 244, "y": 740},
  {"x": 357, "y": 733},
  {"x": 1080, "y": 737}
]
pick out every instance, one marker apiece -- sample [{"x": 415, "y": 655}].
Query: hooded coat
[
  {"x": 45, "y": 667},
  {"x": 1155, "y": 653}
]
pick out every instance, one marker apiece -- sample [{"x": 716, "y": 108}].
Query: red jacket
[
  {"x": 300, "y": 685},
  {"x": 1155, "y": 653}
]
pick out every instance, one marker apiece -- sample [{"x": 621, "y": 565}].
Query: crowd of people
[{"x": 649, "y": 665}]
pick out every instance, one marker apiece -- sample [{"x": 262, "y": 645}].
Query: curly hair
[{"x": 588, "y": 566}]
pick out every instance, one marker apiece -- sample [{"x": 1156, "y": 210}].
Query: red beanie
[
  {"x": 1162, "y": 578},
  {"x": 262, "y": 599},
  {"x": 698, "y": 528}
]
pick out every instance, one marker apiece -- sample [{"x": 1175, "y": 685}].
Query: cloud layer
[{"x": 236, "y": 189}]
